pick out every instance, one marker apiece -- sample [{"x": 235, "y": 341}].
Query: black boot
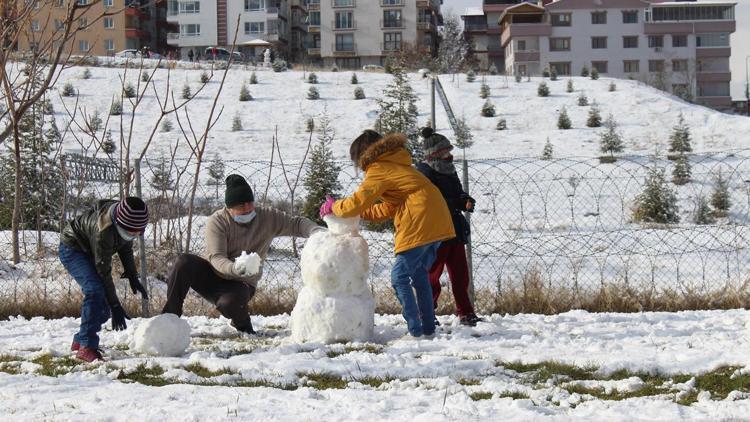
[
  {"x": 245, "y": 328},
  {"x": 471, "y": 320}
]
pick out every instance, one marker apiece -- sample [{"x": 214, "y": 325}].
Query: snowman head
[{"x": 342, "y": 226}]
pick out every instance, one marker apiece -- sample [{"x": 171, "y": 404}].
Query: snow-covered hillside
[{"x": 645, "y": 115}]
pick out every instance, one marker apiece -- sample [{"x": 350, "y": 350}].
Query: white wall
[{"x": 207, "y": 20}]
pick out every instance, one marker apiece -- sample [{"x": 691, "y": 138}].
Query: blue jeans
[
  {"x": 95, "y": 309},
  {"x": 409, "y": 276}
]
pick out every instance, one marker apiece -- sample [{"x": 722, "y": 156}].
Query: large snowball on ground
[
  {"x": 332, "y": 319},
  {"x": 163, "y": 335}
]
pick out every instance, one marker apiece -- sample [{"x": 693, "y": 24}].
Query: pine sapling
[
  {"x": 471, "y": 76},
  {"x": 493, "y": 69},
  {"x": 545, "y": 73},
  {"x": 610, "y": 140},
  {"x": 253, "y": 79},
  {"x": 166, "y": 125},
  {"x": 681, "y": 171},
  {"x": 359, "y": 93},
  {"x": 204, "y": 77},
  {"x": 464, "y": 138},
  {"x": 115, "y": 109},
  {"x": 312, "y": 78},
  {"x": 553, "y": 74},
  {"x": 310, "y": 125},
  {"x": 679, "y": 141},
  {"x": 145, "y": 77},
  {"x": 484, "y": 91},
  {"x": 547, "y": 151},
  {"x": 542, "y": 90},
  {"x": 86, "y": 74},
  {"x": 501, "y": 124},
  {"x": 720, "y": 199},
  {"x": 488, "y": 109},
  {"x": 657, "y": 203},
  {"x": 245, "y": 94},
  {"x": 354, "y": 80},
  {"x": 703, "y": 214},
  {"x": 236, "y": 123},
  {"x": 518, "y": 77},
  {"x": 186, "y": 94},
  {"x": 563, "y": 120},
  {"x": 108, "y": 145},
  {"x": 594, "y": 74},
  {"x": 583, "y": 100},
  {"x": 595, "y": 118},
  {"x": 569, "y": 87},
  {"x": 95, "y": 121},
  {"x": 585, "y": 71},
  {"x": 313, "y": 94},
  {"x": 68, "y": 90}
]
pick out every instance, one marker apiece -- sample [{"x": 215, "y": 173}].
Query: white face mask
[
  {"x": 244, "y": 218},
  {"x": 125, "y": 235}
]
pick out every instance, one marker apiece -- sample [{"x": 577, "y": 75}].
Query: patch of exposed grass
[
  {"x": 649, "y": 389},
  {"x": 12, "y": 368},
  {"x": 55, "y": 366},
  {"x": 480, "y": 395},
  {"x": 145, "y": 375},
  {"x": 323, "y": 380},
  {"x": 515, "y": 395},
  {"x": 469, "y": 381},
  {"x": 375, "y": 382},
  {"x": 10, "y": 358},
  {"x": 265, "y": 383},
  {"x": 367, "y": 348},
  {"x": 542, "y": 371},
  {"x": 121, "y": 347},
  {"x": 720, "y": 382},
  {"x": 204, "y": 372}
]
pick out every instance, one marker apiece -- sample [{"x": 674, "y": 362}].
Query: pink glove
[{"x": 327, "y": 207}]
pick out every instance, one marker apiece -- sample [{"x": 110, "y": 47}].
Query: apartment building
[
  {"x": 210, "y": 23},
  {"x": 134, "y": 25},
  {"x": 679, "y": 46},
  {"x": 354, "y": 33},
  {"x": 482, "y": 30}
]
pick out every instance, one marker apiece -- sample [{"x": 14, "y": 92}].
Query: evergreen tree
[
  {"x": 569, "y": 87},
  {"x": 612, "y": 87},
  {"x": 312, "y": 78},
  {"x": 501, "y": 124},
  {"x": 115, "y": 109},
  {"x": 108, "y": 145},
  {"x": 464, "y": 138},
  {"x": 129, "y": 91},
  {"x": 594, "y": 74},
  {"x": 563, "y": 120},
  {"x": 493, "y": 69},
  {"x": 166, "y": 125},
  {"x": 245, "y": 94},
  {"x": 204, "y": 77},
  {"x": 585, "y": 71},
  {"x": 236, "y": 123},
  {"x": 335, "y": 67},
  {"x": 657, "y": 203},
  {"x": 47, "y": 107},
  {"x": 145, "y": 77},
  {"x": 553, "y": 74},
  {"x": 583, "y": 100},
  {"x": 279, "y": 65},
  {"x": 41, "y": 176},
  {"x": 161, "y": 177},
  {"x": 703, "y": 214},
  {"x": 453, "y": 46},
  {"x": 681, "y": 170},
  {"x": 186, "y": 94},
  {"x": 720, "y": 198},
  {"x": 595, "y": 118},
  {"x": 313, "y": 94},
  {"x": 518, "y": 77},
  {"x": 216, "y": 174},
  {"x": 359, "y": 93},
  {"x": 545, "y": 73},
  {"x": 488, "y": 109},
  {"x": 95, "y": 122},
  {"x": 398, "y": 111},
  {"x": 86, "y": 74},
  {"x": 253, "y": 79},
  {"x": 322, "y": 175},
  {"x": 542, "y": 90},
  {"x": 68, "y": 90},
  {"x": 610, "y": 140},
  {"x": 310, "y": 125},
  {"x": 547, "y": 151},
  {"x": 355, "y": 81},
  {"x": 680, "y": 140},
  {"x": 484, "y": 91},
  {"x": 471, "y": 76}
]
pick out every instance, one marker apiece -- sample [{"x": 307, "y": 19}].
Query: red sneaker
[
  {"x": 75, "y": 346},
  {"x": 88, "y": 354}
]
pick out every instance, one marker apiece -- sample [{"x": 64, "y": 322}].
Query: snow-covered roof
[
  {"x": 473, "y": 11},
  {"x": 695, "y": 3}
]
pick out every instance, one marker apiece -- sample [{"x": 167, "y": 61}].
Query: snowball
[
  {"x": 163, "y": 335},
  {"x": 335, "y": 303},
  {"x": 251, "y": 261}
]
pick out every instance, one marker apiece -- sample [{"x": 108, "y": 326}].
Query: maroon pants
[{"x": 452, "y": 254}]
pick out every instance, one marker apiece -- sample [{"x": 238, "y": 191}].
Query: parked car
[
  {"x": 129, "y": 53},
  {"x": 218, "y": 53},
  {"x": 372, "y": 67}
]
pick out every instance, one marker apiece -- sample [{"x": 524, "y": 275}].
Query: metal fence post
[
  {"x": 142, "y": 243},
  {"x": 465, "y": 174},
  {"x": 432, "y": 103}
]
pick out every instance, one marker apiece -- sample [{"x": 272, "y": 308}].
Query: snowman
[{"x": 335, "y": 304}]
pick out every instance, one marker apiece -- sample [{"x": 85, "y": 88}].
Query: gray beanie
[{"x": 434, "y": 142}]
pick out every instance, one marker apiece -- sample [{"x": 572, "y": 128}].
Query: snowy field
[{"x": 573, "y": 366}]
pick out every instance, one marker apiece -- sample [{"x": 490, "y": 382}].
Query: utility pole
[{"x": 747, "y": 87}]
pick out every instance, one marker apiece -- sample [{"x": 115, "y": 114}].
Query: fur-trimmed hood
[{"x": 394, "y": 142}]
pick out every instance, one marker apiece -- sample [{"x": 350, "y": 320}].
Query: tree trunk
[{"x": 17, "y": 194}]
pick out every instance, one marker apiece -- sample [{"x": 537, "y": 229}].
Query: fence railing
[{"x": 547, "y": 236}]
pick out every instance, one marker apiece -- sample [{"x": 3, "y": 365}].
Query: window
[
  {"x": 316, "y": 41},
  {"x": 35, "y": 27},
  {"x": 392, "y": 2},
  {"x": 59, "y": 3},
  {"x": 344, "y": 20},
  {"x": 83, "y": 3},
  {"x": 656, "y": 65},
  {"x": 83, "y": 46},
  {"x": 561, "y": 68},
  {"x": 601, "y": 67},
  {"x": 713, "y": 89},
  {"x": 59, "y": 24},
  {"x": 521, "y": 45},
  {"x": 109, "y": 45},
  {"x": 343, "y": 3},
  {"x": 391, "y": 19},
  {"x": 191, "y": 6},
  {"x": 694, "y": 13},
  {"x": 655, "y": 41},
  {"x": 255, "y": 27},
  {"x": 679, "y": 65},
  {"x": 712, "y": 40},
  {"x": 315, "y": 18},
  {"x": 630, "y": 42},
  {"x": 109, "y": 23},
  {"x": 83, "y": 23},
  {"x": 190, "y": 30},
  {"x": 560, "y": 19},
  {"x": 631, "y": 66},
  {"x": 109, "y": 3},
  {"x": 559, "y": 44},
  {"x": 598, "y": 42},
  {"x": 679, "y": 40},
  {"x": 629, "y": 16},
  {"x": 254, "y": 5},
  {"x": 348, "y": 62},
  {"x": 598, "y": 18},
  {"x": 344, "y": 42},
  {"x": 392, "y": 41}
]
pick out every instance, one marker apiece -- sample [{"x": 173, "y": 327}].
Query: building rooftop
[{"x": 473, "y": 11}]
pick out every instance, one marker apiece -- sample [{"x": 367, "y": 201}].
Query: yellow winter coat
[{"x": 416, "y": 206}]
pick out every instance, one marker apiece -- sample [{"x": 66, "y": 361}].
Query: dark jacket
[
  {"x": 95, "y": 234},
  {"x": 450, "y": 186}
]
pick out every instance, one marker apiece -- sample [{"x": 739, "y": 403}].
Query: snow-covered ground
[{"x": 591, "y": 367}]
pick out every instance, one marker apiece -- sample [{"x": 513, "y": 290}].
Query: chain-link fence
[{"x": 547, "y": 235}]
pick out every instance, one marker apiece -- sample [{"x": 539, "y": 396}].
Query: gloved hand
[
  {"x": 135, "y": 284},
  {"x": 118, "y": 318},
  {"x": 470, "y": 202},
  {"x": 239, "y": 267},
  {"x": 327, "y": 207}
]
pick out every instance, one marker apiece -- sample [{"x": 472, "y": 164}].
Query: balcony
[
  {"x": 525, "y": 30},
  {"x": 428, "y": 4},
  {"x": 426, "y": 26},
  {"x": 173, "y": 38},
  {"x": 526, "y": 56},
  {"x": 313, "y": 29},
  {"x": 663, "y": 28},
  {"x": 134, "y": 11},
  {"x": 342, "y": 3},
  {"x": 313, "y": 51},
  {"x": 495, "y": 51},
  {"x": 709, "y": 52},
  {"x": 344, "y": 50},
  {"x": 475, "y": 27},
  {"x": 352, "y": 26},
  {"x": 392, "y": 24},
  {"x": 389, "y": 3},
  {"x": 136, "y": 33},
  {"x": 313, "y": 6},
  {"x": 705, "y": 76}
]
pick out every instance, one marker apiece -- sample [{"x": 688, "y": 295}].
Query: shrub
[
  {"x": 204, "y": 77},
  {"x": 359, "y": 93},
  {"x": 313, "y": 94},
  {"x": 488, "y": 110},
  {"x": 68, "y": 90},
  {"x": 166, "y": 125},
  {"x": 312, "y": 78},
  {"x": 493, "y": 69},
  {"x": 569, "y": 87},
  {"x": 354, "y": 79},
  {"x": 236, "y": 123},
  {"x": 612, "y": 87},
  {"x": 553, "y": 74},
  {"x": 129, "y": 91},
  {"x": 471, "y": 76},
  {"x": 563, "y": 120},
  {"x": 583, "y": 100},
  {"x": 245, "y": 94},
  {"x": 279, "y": 65},
  {"x": 253, "y": 79},
  {"x": 545, "y": 73},
  {"x": 145, "y": 77},
  {"x": 585, "y": 71},
  {"x": 186, "y": 94},
  {"x": 657, "y": 203},
  {"x": 594, "y": 74},
  {"x": 116, "y": 108},
  {"x": 595, "y": 118},
  {"x": 501, "y": 124},
  {"x": 484, "y": 91},
  {"x": 334, "y": 68},
  {"x": 86, "y": 74},
  {"x": 543, "y": 89}
]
